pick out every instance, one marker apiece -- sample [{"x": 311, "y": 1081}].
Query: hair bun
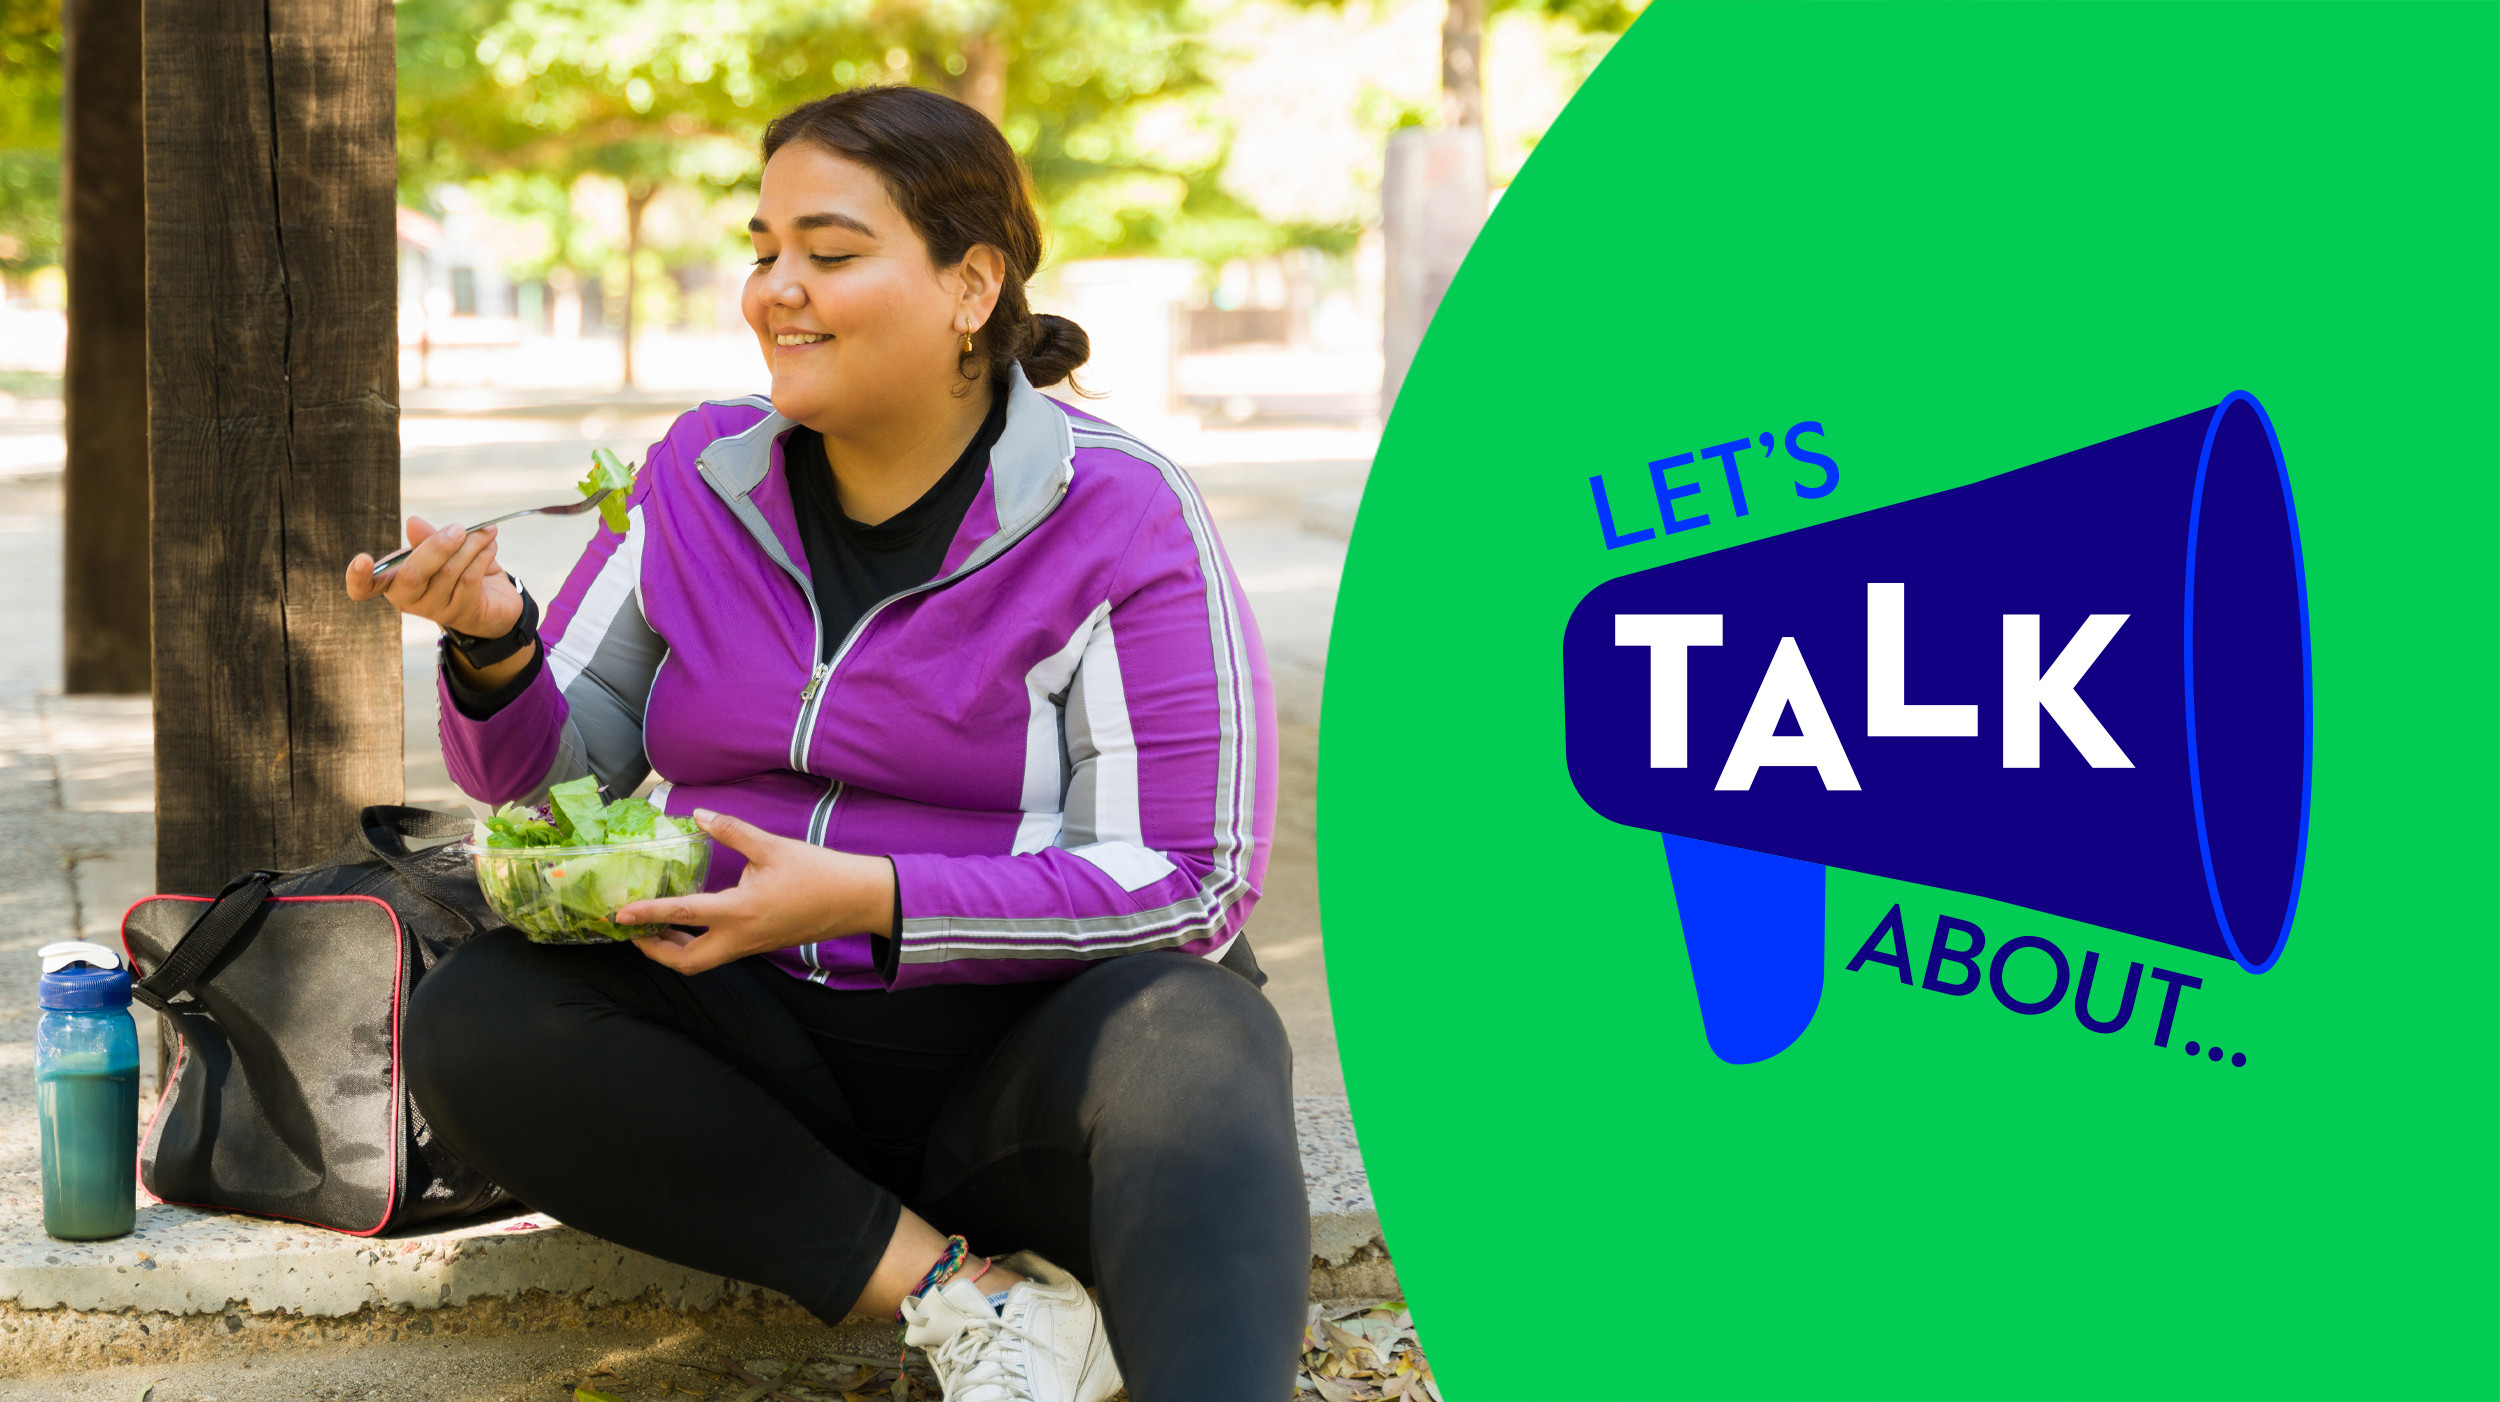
[{"x": 1058, "y": 347}]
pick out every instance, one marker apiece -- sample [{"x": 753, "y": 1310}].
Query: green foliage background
[
  {"x": 30, "y": 133},
  {"x": 521, "y": 98},
  {"x": 1965, "y": 238},
  {"x": 678, "y": 91}
]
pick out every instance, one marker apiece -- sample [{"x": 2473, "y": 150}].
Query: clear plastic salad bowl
[{"x": 565, "y": 895}]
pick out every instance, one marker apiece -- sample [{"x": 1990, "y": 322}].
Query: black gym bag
[{"x": 288, "y": 991}]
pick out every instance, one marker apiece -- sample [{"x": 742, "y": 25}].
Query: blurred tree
[
  {"x": 30, "y": 137},
  {"x": 645, "y": 92},
  {"x": 1462, "y": 44},
  {"x": 659, "y": 92}
]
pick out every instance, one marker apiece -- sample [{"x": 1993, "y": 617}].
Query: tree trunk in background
[
  {"x": 273, "y": 398},
  {"x": 636, "y": 201},
  {"x": 1432, "y": 200},
  {"x": 982, "y": 85},
  {"x": 104, "y": 382},
  {"x": 1462, "y": 65}
]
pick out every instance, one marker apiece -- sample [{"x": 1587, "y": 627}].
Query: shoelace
[{"x": 984, "y": 1379}]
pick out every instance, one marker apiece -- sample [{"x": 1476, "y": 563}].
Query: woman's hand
[
  {"x": 450, "y": 578},
  {"x": 791, "y": 893}
]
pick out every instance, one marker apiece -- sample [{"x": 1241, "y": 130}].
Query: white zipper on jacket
[
  {"x": 812, "y": 699},
  {"x": 820, "y": 820},
  {"x": 811, "y": 696}
]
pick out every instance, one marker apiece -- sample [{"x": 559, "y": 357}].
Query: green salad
[
  {"x": 608, "y": 472},
  {"x": 558, "y": 872}
]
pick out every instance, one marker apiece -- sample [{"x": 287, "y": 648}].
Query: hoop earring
[{"x": 963, "y": 360}]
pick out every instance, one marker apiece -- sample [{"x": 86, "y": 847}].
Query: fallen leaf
[
  {"x": 760, "y": 1387},
  {"x": 1345, "y": 1340},
  {"x": 583, "y": 1394},
  {"x": 1334, "y": 1390}
]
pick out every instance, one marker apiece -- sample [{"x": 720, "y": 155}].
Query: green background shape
[{"x": 1965, "y": 238}]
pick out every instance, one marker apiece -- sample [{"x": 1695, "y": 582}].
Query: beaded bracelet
[{"x": 949, "y": 1263}]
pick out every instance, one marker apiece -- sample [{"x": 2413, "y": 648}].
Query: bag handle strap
[
  {"x": 401, "y": 837},
  {"x": 207, "y": 938}
]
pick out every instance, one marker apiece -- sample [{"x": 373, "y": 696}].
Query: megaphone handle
[{"x": 1753, "y": 931}]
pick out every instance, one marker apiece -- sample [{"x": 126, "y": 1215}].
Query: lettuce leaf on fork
[{"x": 606, "y": 471}]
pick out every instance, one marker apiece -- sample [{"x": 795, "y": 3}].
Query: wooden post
[
  {"x": 273, "y": 397},
  {"x": 104, "y": 383}
]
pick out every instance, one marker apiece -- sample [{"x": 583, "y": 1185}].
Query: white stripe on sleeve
[
  {"x": 1133, "y": 866},
  {"x": 1104, "y": 809},
  {"x": 1044, "y": 764},
  {"x": 615, "y": 584}
]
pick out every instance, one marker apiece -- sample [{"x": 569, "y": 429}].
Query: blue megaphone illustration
[{"x": 2082, "y": 686}]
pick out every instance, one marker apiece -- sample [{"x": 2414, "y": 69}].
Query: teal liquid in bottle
[{"x": 87, "y": 1094}]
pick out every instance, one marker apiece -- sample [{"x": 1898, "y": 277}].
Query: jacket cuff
[
  {"x": 500, "y": 756},
  {"x": 885, "y": 952}
]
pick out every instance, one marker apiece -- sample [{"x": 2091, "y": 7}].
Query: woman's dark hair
[{"x": 955, "y": 178}]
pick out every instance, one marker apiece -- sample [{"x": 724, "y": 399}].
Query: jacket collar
[{"x": 1033, "y": 460}]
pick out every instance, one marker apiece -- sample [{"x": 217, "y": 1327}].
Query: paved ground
[
  {"x": 652, "y": 1360},
  {"x": 76, "y": 793}
]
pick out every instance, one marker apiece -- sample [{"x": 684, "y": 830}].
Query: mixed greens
[
  {"x": 607, "y": 471},
  {"x": 566, "y": 896}
]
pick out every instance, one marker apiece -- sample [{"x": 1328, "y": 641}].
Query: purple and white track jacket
[{"x": 1066, "y": 741}]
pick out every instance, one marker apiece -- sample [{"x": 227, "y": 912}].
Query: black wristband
[{"x": 482, "y": 653}]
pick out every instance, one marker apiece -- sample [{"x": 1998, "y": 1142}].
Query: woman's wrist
[
  {"x": 869, "y": 897},
  {"x": 488, "y": 664},
  {"x": 484, "y": 653},
  {"x": 487, "y": 680}
]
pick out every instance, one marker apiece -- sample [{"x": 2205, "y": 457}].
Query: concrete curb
[
  {"x": 192, "y": 1280},
  {"x": 66, "y": 1341}
]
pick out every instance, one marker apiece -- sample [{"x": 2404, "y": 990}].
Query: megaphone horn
[{"x": 2081, "y": 686}]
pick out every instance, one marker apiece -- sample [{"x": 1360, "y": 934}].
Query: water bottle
[{"x": 87, "y": 1093}]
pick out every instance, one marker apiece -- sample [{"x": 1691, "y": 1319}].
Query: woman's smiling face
[{"x": 857, "y": 326}]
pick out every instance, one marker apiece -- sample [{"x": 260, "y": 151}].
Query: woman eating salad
[{"x": 961, "y": 684}]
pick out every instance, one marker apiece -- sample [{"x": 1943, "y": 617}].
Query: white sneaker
[{"x": 1046, "y": 1345}]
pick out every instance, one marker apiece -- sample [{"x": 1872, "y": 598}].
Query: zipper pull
[{"x": 815, "y": 682}]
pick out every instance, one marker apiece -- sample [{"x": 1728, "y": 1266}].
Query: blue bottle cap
[{"x": 79, "y": 984}]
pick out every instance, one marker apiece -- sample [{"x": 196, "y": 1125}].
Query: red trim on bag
[
  {"x": 173, "y": 1073},
  {"x": 399, "y": 970}
]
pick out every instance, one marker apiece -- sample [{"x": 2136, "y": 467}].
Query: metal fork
[{"x": 569, "y": 508}]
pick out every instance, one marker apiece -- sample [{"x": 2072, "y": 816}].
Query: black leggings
[{"x": 1134, "y": 1125}]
